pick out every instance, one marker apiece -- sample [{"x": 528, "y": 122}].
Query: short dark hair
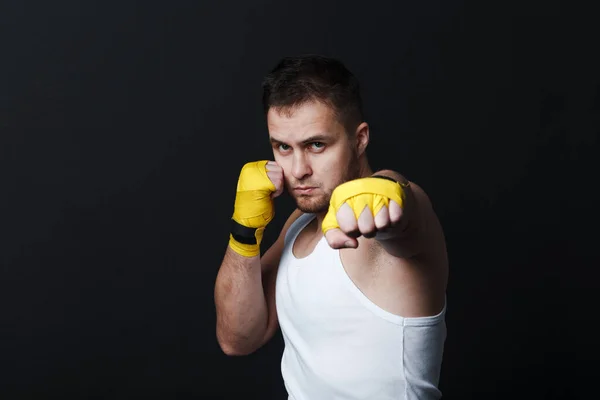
[{"x": 310, "y": 77}]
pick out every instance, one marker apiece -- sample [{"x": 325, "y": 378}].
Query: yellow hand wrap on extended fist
[
  {"x": 370, "y": 192},
  {"x": 253, "y": 209}
]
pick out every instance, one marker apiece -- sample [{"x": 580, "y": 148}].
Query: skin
[{"x": 397, "y": 258}]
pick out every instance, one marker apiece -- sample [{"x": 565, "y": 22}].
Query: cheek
[
  {"x": 330, "y": 169},
  {"x": 281, "y": 161},
  {"x": 338, "y": 160}
]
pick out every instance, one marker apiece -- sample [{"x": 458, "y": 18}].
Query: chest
[
  {"x": 321, "y": 264},
  {"x": 306, "y": 241},
  {"x": 313, "y": 295},
  {"x": 317, "y": 281}
]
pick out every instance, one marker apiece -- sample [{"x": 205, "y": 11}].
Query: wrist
[
  {"x": 392, "y": 176},
  {"x": 244, "y": 240},
  {"x": 401, "y": 228},
  {"x": 243, "y": 249}
]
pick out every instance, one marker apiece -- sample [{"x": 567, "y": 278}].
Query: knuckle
[{"x": 381, "y": 225}]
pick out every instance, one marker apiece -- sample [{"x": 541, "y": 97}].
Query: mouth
[{"x": 303, "y": 189}]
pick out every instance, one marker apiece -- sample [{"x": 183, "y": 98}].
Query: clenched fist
[
  {"x": 259, "y": 182},
  {"x": 362, "y": 207}
]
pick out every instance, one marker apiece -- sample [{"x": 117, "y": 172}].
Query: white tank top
[{"x": 339, "y": 344}]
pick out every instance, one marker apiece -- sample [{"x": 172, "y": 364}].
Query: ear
[{"x": 362, "y": 138}]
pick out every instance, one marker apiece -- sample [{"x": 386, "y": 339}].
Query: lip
[{"x": 303, "y": 189}]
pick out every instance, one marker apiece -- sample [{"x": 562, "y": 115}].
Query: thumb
[{"x": 337, "y": 239}]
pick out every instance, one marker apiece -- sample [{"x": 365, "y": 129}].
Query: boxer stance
[{"x": 356, "y": 279}]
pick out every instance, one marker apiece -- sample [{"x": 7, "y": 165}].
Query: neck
[{"x": 363, "y": 172}]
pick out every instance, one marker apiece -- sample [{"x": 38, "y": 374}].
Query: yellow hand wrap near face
[
  {"x": 253, "y": 209},
  {"x": 370, "y": 192}
]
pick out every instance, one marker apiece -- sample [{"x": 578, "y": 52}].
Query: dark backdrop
[{"x": 123, "y": 126}]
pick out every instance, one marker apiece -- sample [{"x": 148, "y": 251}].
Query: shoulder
[
  {"x": 293, "y": 217},
  {"x": 271, "y": 257},
  {"x": 422, "y": 232}
]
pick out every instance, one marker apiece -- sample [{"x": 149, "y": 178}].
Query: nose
[{"x": 300, "y": 167}]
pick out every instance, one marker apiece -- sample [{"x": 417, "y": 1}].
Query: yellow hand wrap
[
  {"x": 253, "y": 209},
  {"x": 370, "y": 192}
]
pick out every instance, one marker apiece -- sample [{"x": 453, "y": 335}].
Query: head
[{"x": 315, "y": 121}]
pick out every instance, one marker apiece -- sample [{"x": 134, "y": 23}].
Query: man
[{"x": 357, "y": 277}]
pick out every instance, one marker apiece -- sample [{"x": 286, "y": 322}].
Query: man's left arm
[
  {"x": 400, "y": 228},
  {"x": 403, "y": 238}
]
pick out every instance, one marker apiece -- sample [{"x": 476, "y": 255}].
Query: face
[{"x": 315, "y": 152}]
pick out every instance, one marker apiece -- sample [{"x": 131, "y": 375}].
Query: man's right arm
[{"x": 245, "y": 297}]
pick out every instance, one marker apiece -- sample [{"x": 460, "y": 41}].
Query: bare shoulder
[
  {"x": 421, "y": 233},
  {"x": 417, "y": 274},
  {"x": 291, "y": 219},
  {"x": 272, "y": 255},
  {"x": 421, "y": 197},
  {"x": 428, "y": 229},
  {"x": 425, "y": 219},
  {"x": 423, "y": 240}
]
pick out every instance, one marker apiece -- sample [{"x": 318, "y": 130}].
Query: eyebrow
[{"x": 314, "y": 138}]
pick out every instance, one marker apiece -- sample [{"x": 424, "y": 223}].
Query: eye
[
  {"x": 318, "y": 145},
  {"x": 283, "y": 147}
]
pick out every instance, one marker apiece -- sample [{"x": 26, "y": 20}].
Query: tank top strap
[{"x": 296, "y": 227}]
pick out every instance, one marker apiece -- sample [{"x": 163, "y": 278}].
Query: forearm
[
  {"x": 408, "y": 207},
  {"x": 402, "y": 239},
  {"x": 241, "y": 307}
]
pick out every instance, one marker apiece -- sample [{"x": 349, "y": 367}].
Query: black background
[{"x": 123, "y": 126}]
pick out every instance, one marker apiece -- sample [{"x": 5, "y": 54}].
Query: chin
[{"x": 312, "y": 205}]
